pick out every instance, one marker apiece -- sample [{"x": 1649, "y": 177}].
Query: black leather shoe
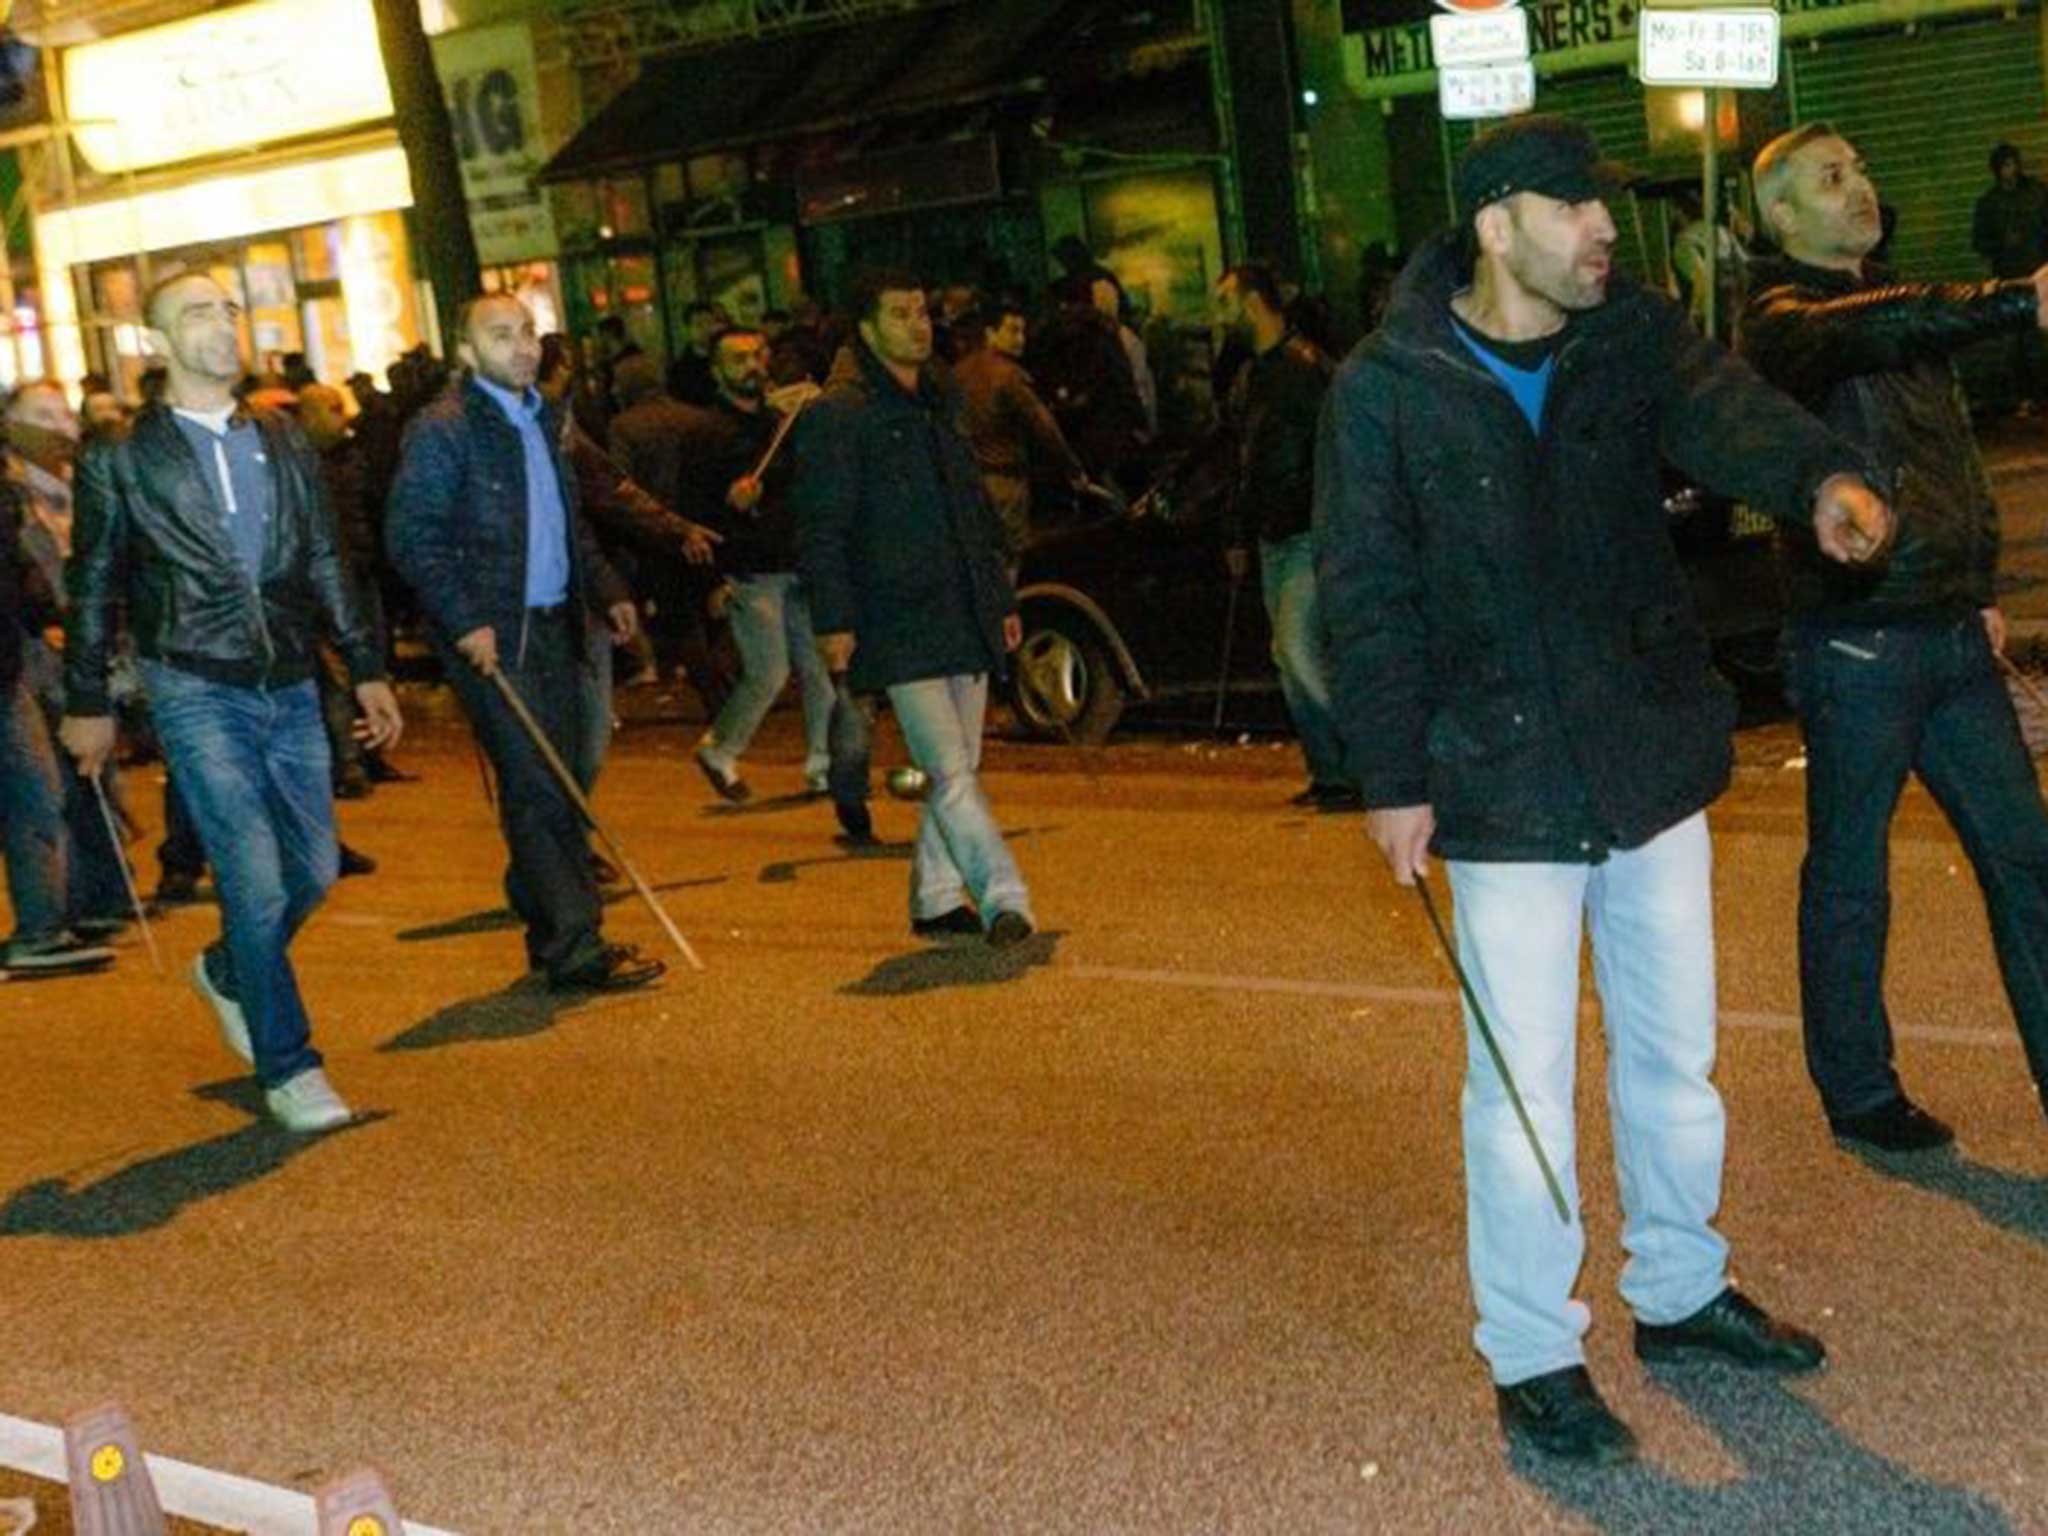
[
  {"x": 729, "y": 787},
  {"x": 1008, "y": 930},
  {"x": 855, "y": 821},
  {"x": 354, "y": 863},
  {"x": 604, "y": 872},
  {"x": 1561, "y": 1414},
  {"x": 615, "y": 968},
  {"x": 1734, "y": 1329},
  {"x": 1900, "y": 1126},
  {"x": 382, "y": 772},
  {"x": 176, "y": 889},
  {"x": 960, "y": 923}
]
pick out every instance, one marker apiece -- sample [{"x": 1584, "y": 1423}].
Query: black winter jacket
[
  {"x": 896, "y": 539},
  {"x": 1512, "y": 636},
  {"x": 1275, "y": 403},
  {"x": 721, "y": 445},
  {"x": 1873, "y": 358},
  {"x": 148, "y": 532},
  {"x": 455, "y": 526}
]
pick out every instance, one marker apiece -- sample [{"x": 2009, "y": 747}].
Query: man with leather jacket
[
  {"x": 209, "y": 524},
  {"x": 1524, "y": 690},
  {"x": 1894, "y": 669},
  {"x": 1275, "y": 402}
]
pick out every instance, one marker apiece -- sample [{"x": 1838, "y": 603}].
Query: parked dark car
[{"x": 1126, "y": 607}]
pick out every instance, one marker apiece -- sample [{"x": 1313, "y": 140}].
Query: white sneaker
[
  {"x": 307, "y": 1103},
  {"x": 234, "y": 1024}
]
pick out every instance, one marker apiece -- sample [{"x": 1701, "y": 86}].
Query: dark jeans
[
  {"x": 32, "y": 832},
  {"x": 851, "y": 738},
  {"x": 97, "y": 887},
  {"x": 1875, "y": 705},
  {"x": 253, "y": 769},
  {"x": 549, "y": 881}
]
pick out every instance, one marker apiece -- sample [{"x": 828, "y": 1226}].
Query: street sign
[
  {"x": 1491, "y": 37},
  {"x": 1467, "y": 91},
  {"x": 1471, "y": 7},
  {"x": 1733, "y": 47}
]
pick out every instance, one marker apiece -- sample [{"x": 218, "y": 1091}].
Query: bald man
[
  {"x": 483, "y": 524},
  {"x": 209, "y": 525}
]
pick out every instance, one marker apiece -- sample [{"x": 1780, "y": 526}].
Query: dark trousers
[
  {"x": 549, "y": 882},
  {"x": 1875, "y": 705}
]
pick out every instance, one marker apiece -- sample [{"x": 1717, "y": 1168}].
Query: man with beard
[
  {"x": 768, "y": 610},
  {"x": 1525, "y": 692},
  {"x": 1012, "y": 431},
  {"x": 484, "y": 525},
  {"x": 209, "y": 524},
  {"x": 1894, "y": 671}
]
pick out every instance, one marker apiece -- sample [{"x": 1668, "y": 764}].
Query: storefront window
[{"x": 537, "y": 285}]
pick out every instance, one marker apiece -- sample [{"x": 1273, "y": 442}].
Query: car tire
[{"x": 1063, "y": 681}]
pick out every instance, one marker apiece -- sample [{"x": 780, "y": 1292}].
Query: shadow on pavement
[
  {"x": 505, "y": 920},
  {"x": 1799, "y": 1473},
  {"x": 525, "y": 1008},
  {"x": 967, "y": 964},
  {"x": 2016, "y": 1202},
  {"x": 766, "y": 806},
  {"x": 146, "y": 1195},
  {"x": 784, "y": 871}
]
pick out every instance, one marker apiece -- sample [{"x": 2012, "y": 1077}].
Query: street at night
[{"x": 1153, "y": 1225}]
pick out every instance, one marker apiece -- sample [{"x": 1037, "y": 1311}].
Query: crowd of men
[{"x": 1481, "y": 627}]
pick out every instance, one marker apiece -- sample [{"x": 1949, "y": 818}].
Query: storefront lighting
[{"x": 1310, "y": 98}]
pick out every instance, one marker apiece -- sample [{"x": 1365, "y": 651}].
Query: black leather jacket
[
  {"x": 1274, "y": 407},
  {"x": 1874, "y": 359},
  {"x": 148, "y": 532}
]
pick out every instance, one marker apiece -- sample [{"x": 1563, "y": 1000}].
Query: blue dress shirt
[{"x": 547, "y": 518}]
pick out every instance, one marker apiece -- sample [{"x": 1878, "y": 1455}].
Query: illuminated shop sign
[{"x": 256, "y": 73}]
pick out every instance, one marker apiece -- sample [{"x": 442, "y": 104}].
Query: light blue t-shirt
[
  {"x": 1529, "y": 387},
  {"x": 547, "y": 519}
]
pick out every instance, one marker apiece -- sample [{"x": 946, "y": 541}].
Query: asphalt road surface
[{"x": 1155, "y": 1226}]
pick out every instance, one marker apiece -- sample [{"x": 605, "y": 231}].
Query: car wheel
[{"x": 1063, "y": 683}]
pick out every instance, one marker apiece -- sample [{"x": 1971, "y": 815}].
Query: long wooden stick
[
  {"x": 582, "y": 803},
  {"x": 99, "y": 790},
  {"x": 781, "y": 431}
]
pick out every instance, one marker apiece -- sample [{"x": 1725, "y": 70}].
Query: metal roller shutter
[{"x": 1925, "y": 109}]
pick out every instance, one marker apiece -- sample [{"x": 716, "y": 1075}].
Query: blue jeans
[
  {"x": 1519, "y": 927},
  {"x": 771, "y": 625},
  {"x": 960, "y": 850},
  {"x": 1876, "y": 705},
  {"x": 1301, "y": 650},
  {"x": 253, "y": 769},
  {"x": 32, "y": 831}
]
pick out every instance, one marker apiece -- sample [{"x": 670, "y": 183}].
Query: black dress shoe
[
  {"x": 615, "y": 968},
  {"x": 382, "y": 772},
  {"x": 855, "y": 821},
  {"x": 353, "y": 863},
  {"x": 1335, "y": 799},
  {"x": 176, "y": 889},
  {"x": 1900, "y": 1126},
  {"x": 1008, "y": 930},
  {"x": 960, "y": 923},
  {"x": 729, "y": 787},
  {"x": 604, "y": 872},
  {"x": 1561, "y": 1414},
  {"x": 1734, "y": 1329}
]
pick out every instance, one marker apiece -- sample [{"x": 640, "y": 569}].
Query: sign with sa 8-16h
[{"x": 1735, "y": 47}]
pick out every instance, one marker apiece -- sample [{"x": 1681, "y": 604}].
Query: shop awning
[{"x": 814, "y": 82}]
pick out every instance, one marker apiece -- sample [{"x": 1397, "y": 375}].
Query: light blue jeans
[
  {"x": 960, "y": 850},
  {"x": 253, "y": 768},
  {"x": 1301, "y": 652},
  {"x": 771, "y": 626},
  {"x": 1519, "y": 925}
]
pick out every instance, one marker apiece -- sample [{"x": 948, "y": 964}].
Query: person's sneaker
[
  {"x": 960, "y": 923},
  {"x": 176, "y": 889},
  {"x": 1733, "y": 1329},
  {"x": 65, "y": 955},
  {"x": 234, "y": 1024},
  {"x": 354, "y": 863},
  {"x": 855, "y": 821},
  {"x": 1900, "y": 1126},
  {"x": 1008, "y": 930},
  {"x": 816, "y": 784},
  {"x": 615, "y": 968},
  {"x": 307, "y": 1103},
  {"x": 727, "y": 785},
  {"x": 1561, "y": 1414}
]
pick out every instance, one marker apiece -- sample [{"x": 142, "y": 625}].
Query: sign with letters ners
[
  {"x": 1491, "y": 37},
  {"x": 1474, "y": 7},
  {"x": 1467, "y": 91},
  {"x": 1734, "y": 47},
  {"x": 493, "y": 94}
]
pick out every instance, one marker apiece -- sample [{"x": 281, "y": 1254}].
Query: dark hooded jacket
[
  {"x": 896, "y": 539},
  {"x": 1513, "y": 639},
  {"x": 1875, "y": 360}
]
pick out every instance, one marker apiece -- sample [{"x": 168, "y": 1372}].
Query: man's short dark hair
[
  {"x": 153, "y": 298},
  {"x": 869, "y": 286},
  {"x": 1258, "y": 277},
  {"x": 2001, "y": 153}
]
